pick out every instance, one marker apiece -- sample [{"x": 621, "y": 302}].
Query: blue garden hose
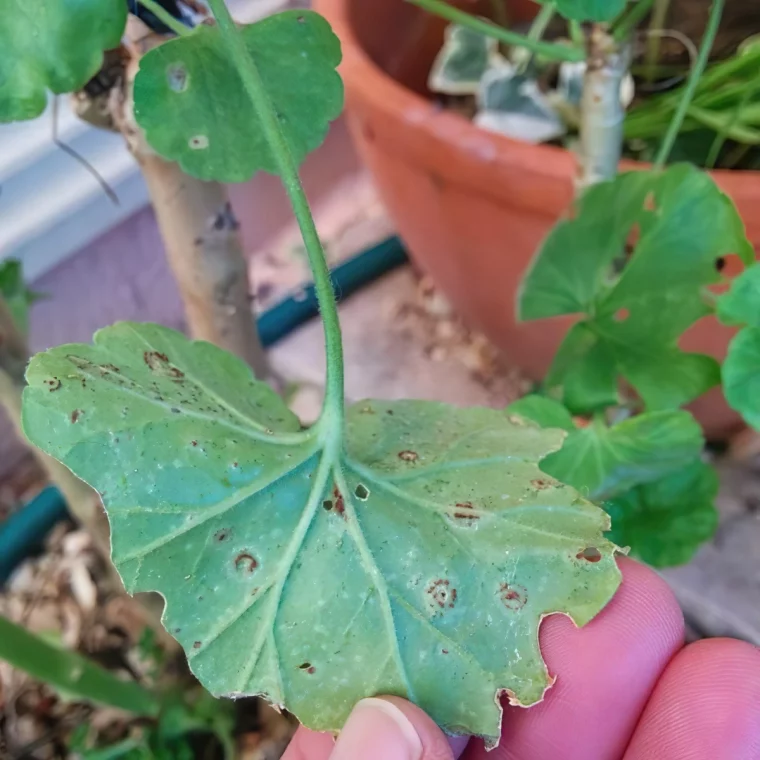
[{"x": 24, "y": 532}]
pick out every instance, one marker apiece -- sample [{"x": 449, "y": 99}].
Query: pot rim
[{"x": 379, "y": 92}]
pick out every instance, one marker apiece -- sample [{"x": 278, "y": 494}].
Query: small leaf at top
[
  {"x": 637, "y": 304},
  {"x": 52, "y": 47},
  {"x": 416, "y": 558},
  {"x": 191, "y": 103},
  {"x": 463, "y": 59},
  {"x": 589, "y": 10},
  {"x": 601, "y": 461},
  {"x": 665, "y": 522},
  {"x": 741, "y": 304}
]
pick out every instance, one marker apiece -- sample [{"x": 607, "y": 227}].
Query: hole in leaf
[
  {"x": 590, "y": 554},
  {"x": 246, "y": 562},
  {"x": 327, "y": 504},
  {"x": 362, "y": 492},
  {"x": 304, "y": 666},
  {"x": 720, "y": 264},
  {"x": 177, "y": 76}
]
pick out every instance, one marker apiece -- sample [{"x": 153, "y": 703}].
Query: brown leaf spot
[
  {"x": 194, "y": 443},
  {"x": 311, "y": 670},
  {"x": 408, "y": 456},
  {"x": 75, "y": 415},
  {"x": 53, "y": 384},
  {"x": 441, "y": 594},
  {"x": 513, "y": 596},
  {"x": 105, "y": 368},
  {"x": 590, "y": 554},
  {"x": 464, "y": 513},
  {"x": 338, "y": 504},
  {"x": 155, "y": 359},
  {"x": 196, "y": 645},
  {"x": 246, "y": 562},
  {"x": 222, "y": 535},
  {"x": 541, "y": 484},
  {"x": 444, "y": 651}
]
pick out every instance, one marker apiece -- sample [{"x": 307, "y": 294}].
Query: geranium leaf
[
  {"x": 589, "y": 10},
  {"x": 463, "y": 59},
  {"x": 417, "y": 557},
  {"x": 636, "y": 306},
  {"x": 666, "y": 521},
  {"x": 741, "y": 304},
  {"x": 52, "y": 47},
  {"x": 545, "y": 412},
  {"x": 741, "y": 375},
  {"x": 601, "y": 461},
  {"x": 191, "y": 103}
]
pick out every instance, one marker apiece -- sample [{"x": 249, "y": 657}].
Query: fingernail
[{"x": 377, "y": 730}]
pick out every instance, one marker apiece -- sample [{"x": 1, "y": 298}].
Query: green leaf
[
  {"x": 191, "y": 103},
  {"x": 601, "y": 461},
  {"x": 589, "y": 10},
  {"x": 665, "y": 522},
  {"x": 70, "y": 672},
  {"x": 52, "y": 47},
  {"x": 636, "y": 306},
  {"x": 15, "y": 293},
  {"x": 417, "y": 557},
  {"x": 463, "y": 59},
  {"x": 741, "y": 375},
  {"x": 741, "y": 304},
  {"x": 545, "y": 412}
]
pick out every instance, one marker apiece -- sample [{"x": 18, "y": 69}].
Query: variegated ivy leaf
[
  {"x": 465, "y": 56},
  {"x": 52, "y": 47},
  {"x": 192, "y": 105},
  {"x": 416, "y": 557}
]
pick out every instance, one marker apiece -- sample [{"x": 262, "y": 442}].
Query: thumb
[{"x": 393, "y": 729}]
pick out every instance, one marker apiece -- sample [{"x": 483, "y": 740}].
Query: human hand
[{"x": 627, "y": 689}]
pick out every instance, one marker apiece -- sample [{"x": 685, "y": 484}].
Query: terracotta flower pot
[{"x": 473, "y": 206}]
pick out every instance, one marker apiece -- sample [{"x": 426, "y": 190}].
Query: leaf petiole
[
  {"x": 165, "y": 17},
  {"x": 332, "y": 410}
]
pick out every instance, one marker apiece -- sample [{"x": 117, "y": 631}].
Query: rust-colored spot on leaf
[
  {"x": 338, "y": 504},
  {"x": 513, "y": 596},
  {"x": 590, "y": 554},
  {"x": 155, "y": 359},
  {"x": 311, "y": 670},
  {"x": 541, "y": 484},
  {"x": 194, "y": 443},
  {"x": 441, "y": 593},
  {"x": 75, "y": 415},
  {"x": 246, "y": 562},
  {"x": 53, "y": 384},
  {"x": 464, "y": 513},
  {"x": 408, "y": 456}
]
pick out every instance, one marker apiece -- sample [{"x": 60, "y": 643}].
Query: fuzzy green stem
[
  {"x": 538, "y": 27},
  {"x": 165, "y": 17},
  {"x": 716, "y": 12},
  {"x": 550, "y": 50},
  {"x": 288, "y": 171},
  {"x": 728, "y": 125},
  {"x": 623, "y": 27}
]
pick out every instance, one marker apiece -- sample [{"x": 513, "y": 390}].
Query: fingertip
[{"x": 705, "y": 705}]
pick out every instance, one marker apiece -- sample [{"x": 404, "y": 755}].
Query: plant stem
[
  {"x": 71, "y": 672},
  {"x": 602, "y": 113},
  {"x": 708, "y": 40},
  {"x": 577, "y": 35},
  {"x": 656, "y": 24},
  {"x": 624, "y": 25},
  {"x": 165, "y": 17},
  {"x": 550, "y": 50},
  {"x": 538, "y": 27},
  {"x": 729, "y": 124},
  {"x": 288, "y": 171}
]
